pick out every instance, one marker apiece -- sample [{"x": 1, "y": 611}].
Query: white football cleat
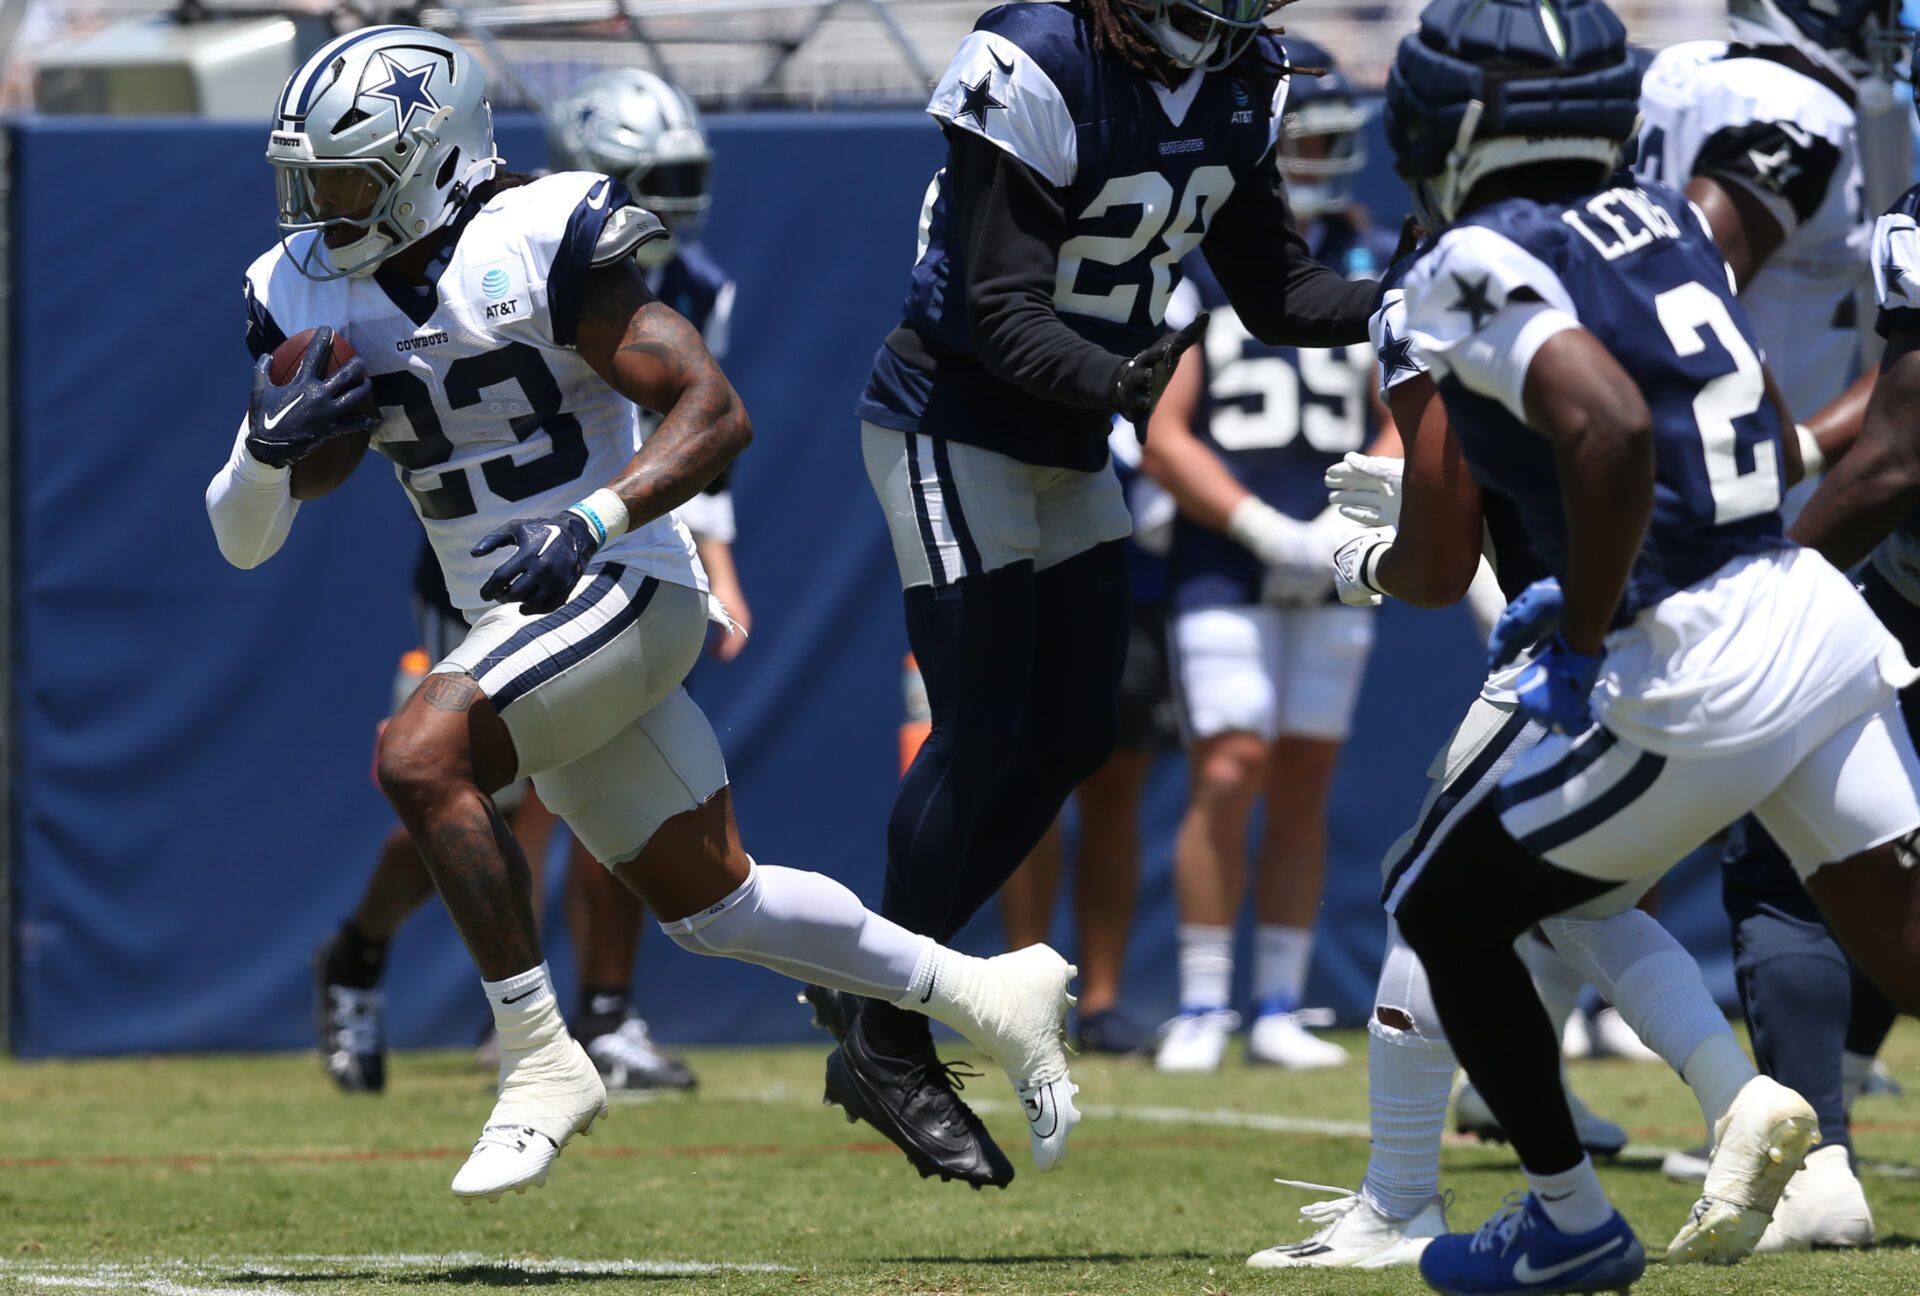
[
  {"x": 1598, "y": 1135},
  {"x": 1686, "y": 1165},
  {"x": 1017, "y": 1014},
  {"x": 1612, "y": 1037},
  {"x": 1824, "y": 1208},
  {"x": 1353, "y": 1234},
  {"x": 547, "y": 1095},
  {"x": 1758, "y": 1146},
  {"x": 1281, "y": 1039},
  {"x": 1196, "y": 1041}
]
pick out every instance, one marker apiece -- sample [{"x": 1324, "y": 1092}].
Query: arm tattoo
[
  {"x": 705, "y": 427},
  {"x": 449, "y": 692}
]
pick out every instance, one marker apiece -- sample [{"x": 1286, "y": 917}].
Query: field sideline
[{"x": 250, "y": 1176}]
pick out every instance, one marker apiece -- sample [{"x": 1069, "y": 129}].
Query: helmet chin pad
[{"x": 1183, "y": 49}]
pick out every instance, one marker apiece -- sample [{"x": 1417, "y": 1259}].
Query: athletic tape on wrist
[{"x": 605, "y": 512}]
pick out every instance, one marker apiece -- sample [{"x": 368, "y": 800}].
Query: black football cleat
[
  {"x": 915, "y": 1102},
  {"x": 350, "y": 1028},
  {"x": 833, "y": 1010}
]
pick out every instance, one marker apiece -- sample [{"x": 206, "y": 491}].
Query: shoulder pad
[
  {"x": 1003, "y": 86},
  {"x": 1467, "y": 279},
  {"x": 627, "y": 229}
]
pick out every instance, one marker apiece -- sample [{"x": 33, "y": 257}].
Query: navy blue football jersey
[
  {"x": 1277, "y": 417},
  {"x": 1140, "y": 170},
  {"x": 1635, "y": 266},
  {"x": 698, "y": 289}
]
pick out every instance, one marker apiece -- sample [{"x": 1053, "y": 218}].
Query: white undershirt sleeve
[{"x": 251, "y": 506}]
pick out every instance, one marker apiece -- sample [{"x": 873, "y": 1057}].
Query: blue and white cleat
[{"x": 1519, "y": 1252}]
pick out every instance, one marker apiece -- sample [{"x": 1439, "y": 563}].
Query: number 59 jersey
[
  {"x": 1636, "y": 267},
  {"x": 486, "y": 410}
]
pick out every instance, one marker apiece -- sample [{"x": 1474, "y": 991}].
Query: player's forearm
[
  {"x": 1876, "y": 486},
  {"x": 1013, "y": 228},
  {"x": 706, "y": 430},
  {"x": 1283, "y": 296},
  {"x": 1607, "y": 467},
  {"x": 251, "y": 507}
]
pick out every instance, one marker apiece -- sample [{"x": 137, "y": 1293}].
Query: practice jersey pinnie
[
  {"x": 1789, "y": 143},
  {"x": 1509, "y": 551},
  {"x": 486, "y": 410},
  {"x": 1277, "y": 417},
  {"x": 1634, "y": 266},
  {"x": 1896, "y": 287},
  {"x": 1141, "y": 171}
]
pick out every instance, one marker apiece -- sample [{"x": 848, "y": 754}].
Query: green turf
[{"x": 249, "y": 1174}]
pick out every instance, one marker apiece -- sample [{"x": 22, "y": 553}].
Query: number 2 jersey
[
  {"x": 1133, "y": 175},
  {"x": 1789, "y": 143},
  {"x": 486, "y": 410},
  {"x": 1277, "y": 417},
  {"x": 1635, "y": 266}
]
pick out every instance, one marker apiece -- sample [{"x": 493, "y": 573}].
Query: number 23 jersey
[{"x": 486, "y": 410}]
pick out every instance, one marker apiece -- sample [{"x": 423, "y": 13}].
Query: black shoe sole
[
  {"x": 833, "y": 1010},
  {"x": 846, "y": 1090}
]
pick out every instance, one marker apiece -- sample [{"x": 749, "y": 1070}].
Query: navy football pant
[{"x": 1022, "y": 671}]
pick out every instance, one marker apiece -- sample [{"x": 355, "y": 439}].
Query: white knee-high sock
[
  {"x": 809, "y": 927},
  {"x": 1409, "y": 1077},
  {"x": 1656, "y": 987},
  {"x": 1555, "y": 980}
]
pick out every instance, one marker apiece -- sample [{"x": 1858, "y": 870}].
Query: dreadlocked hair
[{"x": 1116, "y": 33}]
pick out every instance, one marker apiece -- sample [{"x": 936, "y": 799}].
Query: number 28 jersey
[
  {"x": 486, "y": 410},
  {"x": 1140, "y": 171},
  {"x": 1636, "y": 267}
]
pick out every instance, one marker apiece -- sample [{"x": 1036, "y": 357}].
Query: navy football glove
[
  {"x": 1557, "y": 688},
  {"x": 287, "y": 423},
  {"x": 552, "y": 554},
  {"x": 1137, "y": 387},
  {"x": 1529, "y": 619}
]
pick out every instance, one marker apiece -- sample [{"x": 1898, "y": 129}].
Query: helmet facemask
[
  {"x": 1321, "y": 150},
  {"x": 1204, "y": 34}
]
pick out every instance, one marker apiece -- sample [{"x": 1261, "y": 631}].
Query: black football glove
[
  {"x": 553, "y": 553},
  {"x": 1137, "y": 387},
  {"x": 287, "y": 423}
]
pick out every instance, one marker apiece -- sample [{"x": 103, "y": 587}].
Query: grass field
[{"x": 249, "y": 1175}]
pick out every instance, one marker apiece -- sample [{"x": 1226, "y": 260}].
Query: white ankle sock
[
  {"x": 1206, "y": 965},
  {"x": 1716, "y": 1072},
  {"x": 1408, "y": 1082},
  {"x": 1572, "y": 1199},
  {"x": 1281, "y": 956},
  {"x": 809, "y": 927},
  {"x": 525, "y": 1011}
]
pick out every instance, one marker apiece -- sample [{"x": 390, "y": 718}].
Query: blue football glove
[
  {"x": 287, "y": 423},
  {"x": 1527, "y": 621},
  {"x": 552, "y": 554},
  {"x": 1557, "y": 688}
]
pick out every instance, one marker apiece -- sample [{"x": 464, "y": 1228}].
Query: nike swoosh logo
[
  {"x": 552, "y": 535},
  {"x": 598, "y": 197},
  {"x": 1043, "y": 1109},
  {"x": 931, "y": 983},
  {"x": 1525, "y": 1272},
  {"x": 522, "y": 995},
  {"x": 994, "y": 54},
  {"x": 272, "y": 421}
]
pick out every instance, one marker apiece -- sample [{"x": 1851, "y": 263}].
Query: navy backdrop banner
[{"x": 192, "y": 743}]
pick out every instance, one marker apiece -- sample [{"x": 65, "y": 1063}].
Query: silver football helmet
[
  {"x": 645, "y": 132},
  {"x": 377, "y": 141},
  {"x": 1205, "y": 34}
]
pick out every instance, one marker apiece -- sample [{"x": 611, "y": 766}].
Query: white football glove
[
  {"x": 1298, "y": 555},
  {"x": 1355, "y": 562},
  {"x": 1366, "y": 488}
]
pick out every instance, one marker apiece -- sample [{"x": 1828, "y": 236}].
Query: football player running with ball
[
  {"x": 1595, "y": 367},
  {"x": 509, "y": 341},
  {"x": 1090, "y": 146}
]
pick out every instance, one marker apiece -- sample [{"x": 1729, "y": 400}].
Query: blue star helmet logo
[{"x": 407, "y": 88}]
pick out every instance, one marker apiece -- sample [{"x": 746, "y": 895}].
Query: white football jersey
[
  {"x": 487, "y": 411},
  {"x": 1790, "y": 142}
]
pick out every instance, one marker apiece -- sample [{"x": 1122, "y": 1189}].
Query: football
[{"x": 334, "y": 462}]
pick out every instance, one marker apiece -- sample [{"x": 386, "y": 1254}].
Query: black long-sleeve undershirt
[{"x": 1012, "y": 223}]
